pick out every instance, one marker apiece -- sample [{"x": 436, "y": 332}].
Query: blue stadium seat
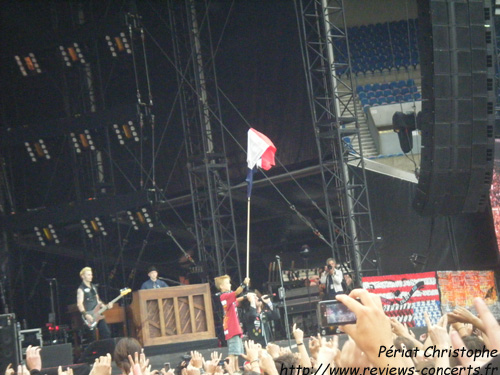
[
  {"x": 384, "y": 86},
  {"x": 370, "y": 94},
  {"x": 387, "y": 92},
  {"x": 382, "y": 100},
  {"x": 408, "y": 97},
  {"x": 365, "y": 103},
  {"x": 405, "y": 90},
  {"x": 413, "y": 89},
  {"x": 362, "y": 95},
  {"x": 373, "y": 102},
  {"x": 400, "y": 98},
  {"x": 401, "y": 84},
  {"x": 376, "y": 86},
  {"x": 396, "y": 91},
  {"x": 391, "y": 99},
  {"x": 417, "y": 96},
  {"x": 360, "y": 89}
]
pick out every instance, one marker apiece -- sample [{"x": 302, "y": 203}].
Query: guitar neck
[{"x": 105, "y": 307}]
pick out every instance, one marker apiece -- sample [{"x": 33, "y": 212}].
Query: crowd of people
[{"x": 460, "y": 343}]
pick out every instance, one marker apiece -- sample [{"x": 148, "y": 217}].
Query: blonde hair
[
  {"x": 85, "y": 269},
  {"x": 220, "y": 279}
]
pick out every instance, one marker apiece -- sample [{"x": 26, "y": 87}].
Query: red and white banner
[{"x": 407, "y": 296}]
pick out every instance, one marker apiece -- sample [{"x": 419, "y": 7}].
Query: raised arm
[{"x": 242, "y": 287}]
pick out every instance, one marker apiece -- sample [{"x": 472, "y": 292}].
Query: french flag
[{"x": 260, "y": 154}]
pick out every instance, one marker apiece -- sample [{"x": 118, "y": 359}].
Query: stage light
[
  {"x": 39, "y": 235},
  {"x": 89, "y": 139},
  {"x": 65, "y": 56},
  {"x": 28, "y": 64},
  {"x": 118, "y": 44},
  {"x": 21, "y": 66},
  {"x": 126, "y": 131},
  {"x": 30, "y": 151},
  {"x": 76, "y": 145},
  {"x": 98, "y": 226},
  {"x": 86, "y": 227},
  {"x": 50, "y": 233},
  {"x": 79, "y": 53},
  {"x": 86, "y": 140},
  {"x": 118, "y": 134},
  {"x": 146, "y": 218},
  {"x": 53, "y": 233},
  {"x": 43, "y": 146},
  {"x": 72, "y": 54},
  {"x": 132, "y": 220},
  {"x": 37, "y": 149}
]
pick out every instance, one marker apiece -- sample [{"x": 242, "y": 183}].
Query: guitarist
[{"x": 86, "y": 300}]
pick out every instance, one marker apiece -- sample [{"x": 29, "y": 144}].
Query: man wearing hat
[{"x": 153, "y": 282}]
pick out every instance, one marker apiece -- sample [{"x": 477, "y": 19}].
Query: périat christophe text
[{"x": 391, "y": 352}]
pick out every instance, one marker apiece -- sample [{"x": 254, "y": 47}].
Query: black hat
[{"x": 152, "y": 268}]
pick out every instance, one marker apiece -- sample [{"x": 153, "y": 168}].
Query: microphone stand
[
  {"x": 52, "y": 315},
  {"x": 169, "y": 280},
  {"x": 281, "y": 294},
  {"x": 308, "y": 285}
]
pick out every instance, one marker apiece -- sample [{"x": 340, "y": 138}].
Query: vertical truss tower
[
  {"x": 329, "y": 82},
  {"x": 204, "y": 136}
]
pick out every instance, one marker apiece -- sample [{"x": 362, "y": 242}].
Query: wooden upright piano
[{"x": 175, "y": 314}]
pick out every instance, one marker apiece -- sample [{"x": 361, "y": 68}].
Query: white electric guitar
[{"x": 97, "y": 313}]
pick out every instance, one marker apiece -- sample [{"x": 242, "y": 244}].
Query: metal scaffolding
[
  {"x": 204, "y": 137},
  {"x": 329, "y": 82}
]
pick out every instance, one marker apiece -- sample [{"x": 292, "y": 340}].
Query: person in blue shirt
[{"x": 153, "y": 282}]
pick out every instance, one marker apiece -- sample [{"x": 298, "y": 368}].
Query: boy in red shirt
[{"x": 231, "y": 323}]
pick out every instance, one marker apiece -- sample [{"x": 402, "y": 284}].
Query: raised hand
[
  {"x": 102, "y": 365},
  {"x": 33, "y": 358},
  {"x": 314, "y": 345},
  {"x": 211, "y": 365},
  {"x": 372, "y": 329},
  {"x": 273, "y": 350},
  {"x": 69, "y": 371},
  {"x": 298, "y": 334},
  {"x": 196, "y": 359}
]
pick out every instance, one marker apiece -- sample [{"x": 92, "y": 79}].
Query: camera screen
[{"x": 334, "y": 313}]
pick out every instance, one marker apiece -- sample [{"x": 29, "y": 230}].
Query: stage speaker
[
  {"x": 99, "y": 348},
  {"x": 57, "y": 355},
  {"x": 9, "y": 345},
  {"x": 457, "y": 63}
]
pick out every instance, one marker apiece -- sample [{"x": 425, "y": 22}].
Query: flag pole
[{"x": 248, "y": 237}]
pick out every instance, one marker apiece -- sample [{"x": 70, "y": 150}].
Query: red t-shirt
[{"x": 231, "y": 322}]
